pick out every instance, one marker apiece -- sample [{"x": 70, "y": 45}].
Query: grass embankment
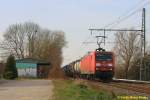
[{"x": 78, "y": 90}]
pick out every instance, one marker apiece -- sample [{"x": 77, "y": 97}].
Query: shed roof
[{"x": 32, "y": 60}]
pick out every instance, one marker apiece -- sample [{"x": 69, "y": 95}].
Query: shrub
[
  {"x": 9, "y": 75},
  {"x": 10, "y": 71}
]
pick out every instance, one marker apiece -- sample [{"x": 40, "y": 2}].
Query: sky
[{"x": 74, "y": 17}]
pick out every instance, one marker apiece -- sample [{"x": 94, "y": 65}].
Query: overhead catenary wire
[
  {"x": 129, "y": 13},
  {"x": 137, "y": 8},
  {"x": 117, "y": 21},
  {"x": 132, "y": 11},
  {"x": 124, "y": 16}
]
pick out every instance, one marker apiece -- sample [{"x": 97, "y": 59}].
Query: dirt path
[{"x": 25, "y": 89}]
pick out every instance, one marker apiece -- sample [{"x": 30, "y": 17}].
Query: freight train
[{"x": 98, "y": 64}]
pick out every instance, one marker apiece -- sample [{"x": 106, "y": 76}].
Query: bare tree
[
  {"x": 29, "y": 40},
  {"x": 19, "y": 39},
  {"x": 14, "y": 40},
  {"x": 127, "y": 46},
  {"x": 31, "y": 29}
]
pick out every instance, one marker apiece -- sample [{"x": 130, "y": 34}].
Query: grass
[{"x": 73, "y": 90}]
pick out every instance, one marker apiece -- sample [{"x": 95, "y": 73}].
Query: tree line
[
  {"x": 128, "y": 55},
  {"x": 29, "y": 40}
]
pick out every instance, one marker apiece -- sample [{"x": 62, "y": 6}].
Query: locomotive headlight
[
  {"x": 110, "y": 65},
  {"x": 98, "y": 64}
]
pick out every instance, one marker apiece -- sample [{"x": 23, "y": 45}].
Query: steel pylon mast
[{"x": 143, "y": 45}]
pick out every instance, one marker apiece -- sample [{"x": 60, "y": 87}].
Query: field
[{"x": 79, "y": 90}]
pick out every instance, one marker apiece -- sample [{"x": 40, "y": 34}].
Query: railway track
[
  {"x": 133, "y": 87},
  {"x": 143, "y": 88},
  {"x": 131, "y": 81}
]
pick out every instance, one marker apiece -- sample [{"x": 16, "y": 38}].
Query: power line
[
  {"x": 114, "y": 30},
  {"x": 125, "y": 16},
  {"x": 86, "y": 40},
  {"x": 102, "y": 42},
  {"x": 128, "y": 14},
  {"x": 119, "y": 20}
]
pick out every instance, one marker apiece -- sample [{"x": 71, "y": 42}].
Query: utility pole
[
  {"x": 143, "y": 39},
  {"x": 143, "y": 30},
  {"x": 143, "y": 46}
]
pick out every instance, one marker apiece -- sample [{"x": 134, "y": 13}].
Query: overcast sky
[{"x": 74, "y": 17}]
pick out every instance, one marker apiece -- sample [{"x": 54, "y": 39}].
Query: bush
[
  {"x": 9, "y": 75},
  {"x": 10, "y": 71}
]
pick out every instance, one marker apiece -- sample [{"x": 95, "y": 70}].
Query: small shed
[{"x": 30, "y": 67}]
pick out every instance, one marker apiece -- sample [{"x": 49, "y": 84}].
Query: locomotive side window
[{"x": 103, "y": 57}]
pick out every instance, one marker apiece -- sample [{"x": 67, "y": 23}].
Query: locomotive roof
[{"x": 104, "y": 51}]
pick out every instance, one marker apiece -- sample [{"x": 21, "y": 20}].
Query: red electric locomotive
[{"x": 98, "y": 64}]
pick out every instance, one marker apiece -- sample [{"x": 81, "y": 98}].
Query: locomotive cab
[{"x": 104, "y": 65}]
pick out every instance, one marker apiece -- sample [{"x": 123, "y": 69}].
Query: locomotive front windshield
[{"x": 103, "y": 57}]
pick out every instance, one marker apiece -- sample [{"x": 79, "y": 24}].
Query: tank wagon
[
  {"x": 72, "y": 69},
  {"x": 97, "y": 64}
]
